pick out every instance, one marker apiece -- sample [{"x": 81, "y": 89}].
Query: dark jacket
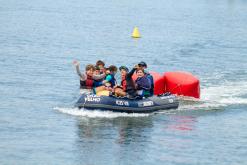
[
  {"x": 151, "y": 79},
  {"x": 130, "y": 84},
  {"x": 143, "y": 83}
]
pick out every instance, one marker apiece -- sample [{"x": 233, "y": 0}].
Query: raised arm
[
  {"x": 130, "y": 74},
  {"x": 98, "y": 77},
  {"x": 83, "y": 76}
]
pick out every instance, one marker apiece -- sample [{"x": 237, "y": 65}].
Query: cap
[
  {"x": 124, "y": 67},
  {"x": 142, "y": 63}
]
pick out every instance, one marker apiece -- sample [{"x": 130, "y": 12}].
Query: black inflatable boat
[{"x": 111, "y": 103}]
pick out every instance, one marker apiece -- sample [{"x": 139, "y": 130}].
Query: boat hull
[{"x": 109, "y": 103}]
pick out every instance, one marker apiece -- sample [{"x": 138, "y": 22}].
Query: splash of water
[
  {"x": 97, "y": 113},
  {"x": 213, "y": 97}
]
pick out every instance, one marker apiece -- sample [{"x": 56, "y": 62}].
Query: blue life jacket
[
  {"x": 112, "y": 80},
  {"x": 97, "y": 83}
]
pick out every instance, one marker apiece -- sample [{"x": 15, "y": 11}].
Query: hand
[
  {"x": 136, "y": 66},
  {"x": 76, "y": 63}
]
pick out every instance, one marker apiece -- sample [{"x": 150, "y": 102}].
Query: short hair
[
  {"x": 112, "y": 68},
  {"x": 90, "y": 66},
  {"x": 99, "y": 62}
]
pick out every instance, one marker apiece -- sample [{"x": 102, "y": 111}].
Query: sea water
[{"x": 39, "y": 86}]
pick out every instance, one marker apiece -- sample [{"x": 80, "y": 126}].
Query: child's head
[
  {"x": 97, "y": 70},
  {"x": 140, "y": 72},
  {"x": 90, "y": 69},
  {"x": 124, "y": 70},
  {"x": 101, "y": 65},
  {"x": 112, "y": 69},
  {"x": 107, "y": 71},
  {"x": 99, "y": 62}
]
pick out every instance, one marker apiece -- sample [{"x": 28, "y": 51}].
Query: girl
[{"x": 142, "y": 83}]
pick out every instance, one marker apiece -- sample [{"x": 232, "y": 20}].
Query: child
[
  {"x": 109, "y": 82},
  {"x": 121, "y": 90},
  {"x": 142, "y": 83},
  {"x": 149, "y": 76},
  {"x": 124, "y": 71},
  {"x": 98, "y": 82},
  {"x": 97, "y": 70},
  {"x": 87, "y": 79},
  {"x": 101, "y": 66},
  {"x": 110, "y": 76}
]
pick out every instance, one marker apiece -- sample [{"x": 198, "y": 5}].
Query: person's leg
[{"x": 119, "y": 92}]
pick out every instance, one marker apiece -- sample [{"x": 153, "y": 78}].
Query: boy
[
  {"x": 101, "y": 66},
  {"x": 121, "y": 90},
  {"x": 87, "y": 79}
]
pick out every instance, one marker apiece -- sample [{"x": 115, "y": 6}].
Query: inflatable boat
[{"x": 116, "y": 104}]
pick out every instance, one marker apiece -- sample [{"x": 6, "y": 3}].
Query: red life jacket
[
  {"x": 124, "y": 83},
  {"x": 88, "y": 83}
]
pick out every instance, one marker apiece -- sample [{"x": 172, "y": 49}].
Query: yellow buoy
[{"x": 136, "y": 33}]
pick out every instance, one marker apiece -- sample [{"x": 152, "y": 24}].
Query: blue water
[{"x": 38, "y": 84}]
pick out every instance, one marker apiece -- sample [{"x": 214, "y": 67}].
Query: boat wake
[
  {"x": 216, "y": 97},
  {"x": 97, "y": 113}
]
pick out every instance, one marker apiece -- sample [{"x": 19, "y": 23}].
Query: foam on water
[
  {"x": 213, "y": 97},
  {"x": 97, "y": 113},
  {"x": 226, "y": 94}
]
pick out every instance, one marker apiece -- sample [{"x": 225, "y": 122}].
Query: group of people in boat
[{"x": 100, "y": 78}]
